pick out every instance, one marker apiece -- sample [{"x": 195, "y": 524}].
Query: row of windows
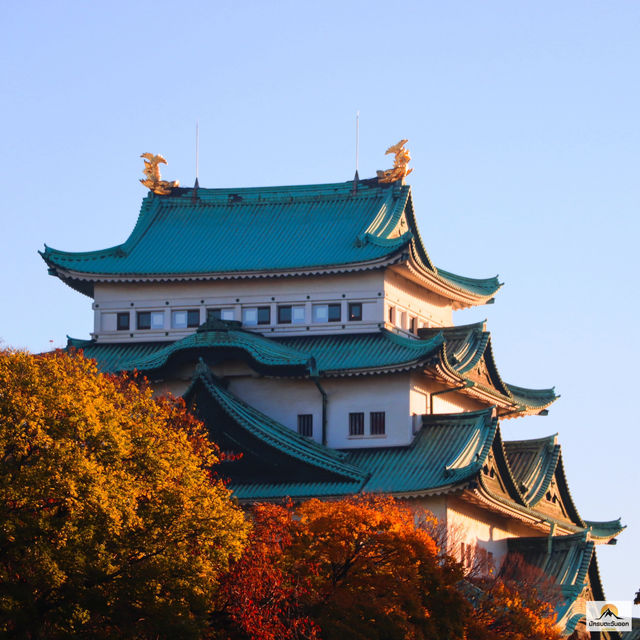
[
  {"x": 155, "y": 320},
  {"x": 251, "y": 316},
  {"x": 403, "y": 320},
  {"x": 377, "y": 425}
]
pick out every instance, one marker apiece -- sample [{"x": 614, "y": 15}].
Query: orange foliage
[{"x": 355, "y": 568}]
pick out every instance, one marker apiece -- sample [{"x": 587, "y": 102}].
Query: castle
[{"x": 313, "y": 334}]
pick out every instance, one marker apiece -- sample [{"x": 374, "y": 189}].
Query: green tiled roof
[
  {"x": 263, "y": 231},
  {"x": 570, "y": 562},
  {"x": 328, "y": 355},
  {"x": 116, "y": 357},
  {"x": 465, "y": 347},
  {"x": 448, "y": 450},
  {"x": 383, "y": 350},
  {"x": 605, "y": 529}
]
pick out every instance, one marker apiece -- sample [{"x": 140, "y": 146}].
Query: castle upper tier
[{"x": 315, "y": 336}]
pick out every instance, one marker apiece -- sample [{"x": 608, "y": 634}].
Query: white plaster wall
[
  {"x": 364, "y": 287},
  {"x": 410, "y": 299},
  {"x": 283, "y": 400},
  {"x": 490, "y": 531},
  {"x": 388, "y": 393},
  {"x": 454, "y": 402}
]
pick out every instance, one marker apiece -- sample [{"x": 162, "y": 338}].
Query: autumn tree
[
  {"x": 355, "y": 568},
  {"x": 112, "y": 524},
  {"x": 517, "y": 604}
]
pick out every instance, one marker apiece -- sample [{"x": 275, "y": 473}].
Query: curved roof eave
[
  {"x": 265, "y": 354},
  {"x": 464, "y": 347}
]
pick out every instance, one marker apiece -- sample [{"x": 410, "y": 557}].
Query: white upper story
[{"x": 352, "y": 302}]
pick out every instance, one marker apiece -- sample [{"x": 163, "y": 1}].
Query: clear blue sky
[{"x": 523, "y": 124}]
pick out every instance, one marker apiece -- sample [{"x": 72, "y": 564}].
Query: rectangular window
[
  {"x": 412, "y": 324},
  {"x": 376, "y": 423},
  {"x": 220, "y": 314},
  {"x": 150, "y": 320},
  {"x": 327, "y": 312},
  {"x": 108, "y": 321},
  {"x": 391, "y": 314},
  {"x": 264, "y": 315},
  {"x": 123, "y": 321},
  {"x": 183, "y": 319},
  {"x": 335, "y": 312},
  {"x": 284, "y": 315},
  {"x": 305, "y": 425},
  {"x": 289, "y": 313},
  {"x": 356, "y": 424},
  {"x": 355, "y": 311},
  {"x": 144, "y": 320},
  {"x": 252, "y": 316}
]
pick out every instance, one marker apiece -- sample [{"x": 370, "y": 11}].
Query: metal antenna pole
[
  {"x": 357, "y": 139},
  {"x": 197, "y": 148}
]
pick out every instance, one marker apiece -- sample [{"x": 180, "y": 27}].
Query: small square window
[
  {"x": 144, "y": 320},
  {"x": 250, "y": 316},
  {"x": 284, "y": 314},
  {"x": 355, "y": 311},
  {"x": 123, "y": 321},
  {"x": 356, "y": 424},
  {"x": 377, "y": 423},
  {"x": 335, "y": 312},
  {"x": 320, "y": 313},
  {"x": 305, "y": 425},
  {"x": 157, "y": 319}
]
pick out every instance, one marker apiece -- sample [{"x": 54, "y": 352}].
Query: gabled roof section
[
  {"x": 533, "y": 464},
  {"x": 570, "y": 562},
  {"x": 249, "y": 233},
  {"x": 467, "y": 360},
  {"x": 447, "y": 452},
  {"x": 237, "y": 425},
  {"x": 530, "y": 480},
  {"x": 332, "y": 355}
]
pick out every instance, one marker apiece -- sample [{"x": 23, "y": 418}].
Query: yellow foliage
[{"x": 112, "y": 523}]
